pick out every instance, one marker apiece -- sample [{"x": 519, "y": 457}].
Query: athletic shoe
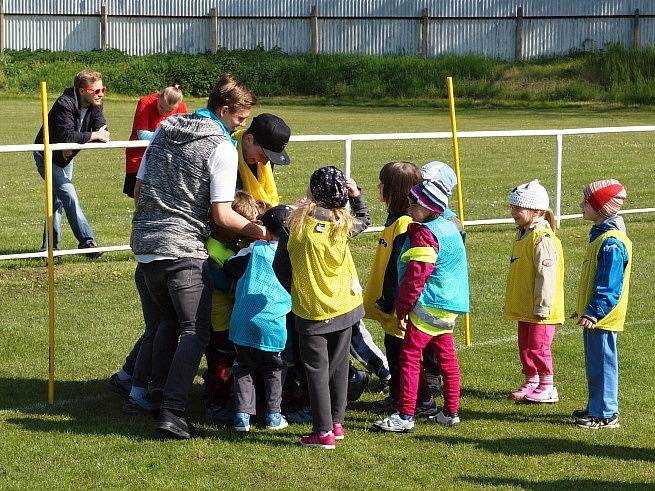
[
  {"x": 387, "y": 404},
  {"x": 133, "y": 406},
  {"x": 275, "y": 421},
  {"x": 395, "y": 424},
  {"x": 337, "y": 430},
  {"x": 543, "y": 394},
  {"x": 241, "y": 422},
  {"x": 219, "y": 414},
  {"x": 316, "y": 440},
  {"x": 173, "y": 426},
  {"x": 91, "y": 245},
  {"x": 442, "y": 418},
  {"x": 599, "y": 423},
  {"x": 119, "y": 386},
  {"x": 523, "y": 390},
  {"x": 302, "y": 415},
  {"x": 580, "y": 414},
  {"x": 426, "y": 410},
  {"x": 357, "y": 383}
]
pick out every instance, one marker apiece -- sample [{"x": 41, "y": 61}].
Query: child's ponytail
[{"x": 550, "y": 217}]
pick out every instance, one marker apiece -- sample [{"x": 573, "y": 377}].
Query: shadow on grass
[
  {"x": 89, "y": 408},
  {"x": 557, "y": 484},
  {"x": 536, "y": 446}
]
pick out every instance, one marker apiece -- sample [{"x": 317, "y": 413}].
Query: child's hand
[
  {"x": 587, "y": 322},
  {"x": 402, "y": 325},
  {"x": 353, "y": 190},
  {"x": 300, "y": 202}
]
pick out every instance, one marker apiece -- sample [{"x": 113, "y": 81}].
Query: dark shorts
[{"x": 128, "y": 185}]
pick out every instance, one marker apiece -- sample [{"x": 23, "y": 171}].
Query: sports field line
[{"x": 43, "y": 406}]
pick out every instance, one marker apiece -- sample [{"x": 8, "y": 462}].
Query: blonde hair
[
  {"x": 171, "y": 95},
  {"x": 232, "y": 93},
  {"x": 342, "y": 220},
  {"x": 550, "y": 218},
  {"x": 247, "y": 206},
  {"x": 86, "y": 77}
]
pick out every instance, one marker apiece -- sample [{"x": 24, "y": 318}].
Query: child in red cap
[{"x": 603, "y": 300}]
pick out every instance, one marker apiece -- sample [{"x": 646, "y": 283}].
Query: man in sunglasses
[{"x": 75, "y": 117}]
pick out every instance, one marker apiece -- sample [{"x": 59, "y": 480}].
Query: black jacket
[{"x": 62, "y": 123}]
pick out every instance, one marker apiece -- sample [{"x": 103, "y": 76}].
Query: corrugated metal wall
[{"x": 484, "y": 26}]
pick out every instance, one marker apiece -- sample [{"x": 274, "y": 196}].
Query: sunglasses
[{"x": 95, "y": 91}]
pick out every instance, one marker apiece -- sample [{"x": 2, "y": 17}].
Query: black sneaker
[
  {"x": 91, "y": 255},
  {"x": 119, "y": 386},
  {"x": 426, "y": 409},
  {"x": 599, "y": 423},
  {"x": 171, "y": 426},
  {"x": 357, "y": 383},
  {"x": 580, "y": 415}
]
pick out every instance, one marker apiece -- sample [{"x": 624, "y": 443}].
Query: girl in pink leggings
[
  {"x": 535, "y": 290},
  {"x": 433, "y": 290}
]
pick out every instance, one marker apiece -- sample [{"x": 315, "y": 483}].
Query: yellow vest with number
[
  {"x": 389, "y": 322},
  {"x": 615, "y": 319},
  {"x": 519, "y": 295},
  {"x": 261, "y": 187},
  {"x": 324, "y": 279}
]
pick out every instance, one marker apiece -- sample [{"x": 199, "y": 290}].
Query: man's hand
[
  {"x": 100, "y": 135},
  {"x": 587, "y": 322}
]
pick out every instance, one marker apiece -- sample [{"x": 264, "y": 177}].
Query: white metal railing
[{"x": 347, "y": 140}]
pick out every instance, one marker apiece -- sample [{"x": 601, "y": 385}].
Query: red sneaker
[
  {"x": 317, "y": 440},
  {"x": 91, "y": 255},
  {"x": 337, "y": 430}
]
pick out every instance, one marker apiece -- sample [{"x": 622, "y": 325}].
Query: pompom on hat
[
  {"x": 442, "y": 172},
  {"x": 606, "y": 197},
  {"x": 531, "y": 195},
  {"x": 432, "y": 195},
  {"x": 328, "y": 187}
]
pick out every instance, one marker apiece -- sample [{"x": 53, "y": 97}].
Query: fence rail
[{"x": 347, "y": 141}]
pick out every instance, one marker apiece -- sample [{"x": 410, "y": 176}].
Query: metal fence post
[
  {"x": 2, "y": 26},
  {"x": 424, "y": 33},
  {"x": 313, "y": 30},
  {"x": 103, "y": 26},
  {"x": 347, "y": 157},
  {"x": 213, "y": 30},
  {"x": 636, "y": 30},
  {"x": 518, "y": 40},
  {"x": 558, "y": 179}
]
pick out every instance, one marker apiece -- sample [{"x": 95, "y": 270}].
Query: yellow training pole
[
  {"x": 460, "y": 197},
  {"x": 47, "y": 164}
]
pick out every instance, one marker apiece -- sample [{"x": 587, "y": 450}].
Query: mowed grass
[{"x": 83, "y": 441}]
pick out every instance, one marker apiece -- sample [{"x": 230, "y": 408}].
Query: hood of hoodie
[
  {"x": 181, "y": 129},
  {"x": 615, "y": 222}
]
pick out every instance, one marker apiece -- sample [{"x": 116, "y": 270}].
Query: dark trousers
[
  {"x": 392, "y": 346},
  {"x": 218, "y": 377},
  {"x": 269, "y": 365},
  {"x": 181, "y": 290},
  {"x": 325, "y": 358}
]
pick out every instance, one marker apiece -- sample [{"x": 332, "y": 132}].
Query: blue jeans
[
  {"x": 602, "y": 364},
  {"x": 65, "y": 199}
]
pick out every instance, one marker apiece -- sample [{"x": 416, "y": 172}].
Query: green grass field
[{"x": 84, "y": 441}]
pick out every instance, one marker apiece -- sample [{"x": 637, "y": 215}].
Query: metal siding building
[{"x": 374, "y": 27}]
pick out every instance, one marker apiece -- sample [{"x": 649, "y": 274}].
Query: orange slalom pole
[
  {"x": 47, "y": 163},
  {"x": 460, "y": 196}
]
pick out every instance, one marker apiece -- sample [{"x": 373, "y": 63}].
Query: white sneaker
[
  {"x": 395, "y": 423},
  {"x": 443, "y": 419}
]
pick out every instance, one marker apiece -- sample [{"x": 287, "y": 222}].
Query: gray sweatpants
[
  {"x": 325, "y": 358},
  {"x": 250, "y": 361}
]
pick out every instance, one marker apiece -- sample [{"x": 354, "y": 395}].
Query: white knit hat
[{"x": 531, "y": 195}]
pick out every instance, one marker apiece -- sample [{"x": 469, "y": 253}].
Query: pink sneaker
[
  {"x": 337, "y": 430},
  {"x": 317, "y": 440},
  {"x": 543, "y": 394},
  {"x": 523, "y": 390}
]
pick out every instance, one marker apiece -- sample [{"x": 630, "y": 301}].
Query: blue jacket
[
  {"x": 612, "y": 260},
  {"x": 261, "y": 303}
]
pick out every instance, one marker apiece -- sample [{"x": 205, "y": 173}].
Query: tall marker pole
[
  {"x": 47, "y": 163},
  {"x": 460, "y": 197}
]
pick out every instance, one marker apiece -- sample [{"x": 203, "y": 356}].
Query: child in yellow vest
[
  {"x": 602, "y": 301},
  {"x": 535, "y": 290},
  {"x": 315, "y": 264},
  {"x": 220, "y": 350}
]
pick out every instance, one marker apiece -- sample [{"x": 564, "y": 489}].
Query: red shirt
[{"x": 146, "y": 117}]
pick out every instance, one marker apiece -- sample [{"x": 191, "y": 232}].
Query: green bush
[{"x": 616, "y": 74}]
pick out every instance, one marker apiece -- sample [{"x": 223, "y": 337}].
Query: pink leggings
[
  {"x": 534, "y": 348},
  {"x": 410, "y": 368}
]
